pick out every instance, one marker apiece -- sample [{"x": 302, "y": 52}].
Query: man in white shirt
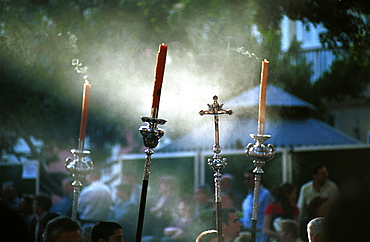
[
  {"x": 94, "y": 200},
  {"x": 320, "y": 185}
]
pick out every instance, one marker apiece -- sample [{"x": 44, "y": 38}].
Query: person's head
[
  {"x": 207, "y": 236},
  {"x": 319, "y": 174},
  {"x": 186, "y": 206},
  {"x": 94, "y": 175},
  {"x": 48, "y": 217},
  {"x": 202, "y": 194},
  {"x": 315, "y": 230},
  {"x": 318, "y": 207},
  {"x": 249, "y": 178},
  {"x": 67, "y": 187},
  {"x": 166, "y": 184},
  {"x": 230, "y": 223},
  {"x": 9, "y": 191},
  {"x": 228, "y": 199},
  {"x": 62, "y": 229},
  {"x": 290, "y": 230},
  {"x": 124, "y": 191},
  {"x": 129, "y": 177},
  {"x": 41, "y": 204},
  {"x": 285, "y": 195},
  {"x": 227, "y": 181},
  {"x": 26, "y": 204},
  {"x": 106, "y": 231},
  {"x": 291, "y": 192}
]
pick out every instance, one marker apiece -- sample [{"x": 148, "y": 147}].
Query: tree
[{"x": 212, "y": 50}]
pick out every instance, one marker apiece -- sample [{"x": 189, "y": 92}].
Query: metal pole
[
  {"x": 259, "y": 153},
  {"x": 79, "y": 168},
  {"x": 151, "y": 136},
  {"x": 217, "y": 163}
]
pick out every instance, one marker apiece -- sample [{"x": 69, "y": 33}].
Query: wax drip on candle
[
  {"x": 85, "y": 106},
  {"x": 158, "y": 81},
  {"x": 262, "y": 98}
]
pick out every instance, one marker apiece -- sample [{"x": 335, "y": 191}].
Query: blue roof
[
  {"x": 274, "y": 97},
  {"x": 289, "y": 132},
  {"x": 284, "y": 133}
]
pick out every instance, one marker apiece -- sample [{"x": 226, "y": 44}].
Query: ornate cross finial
[{"x": 217, "y": 163}]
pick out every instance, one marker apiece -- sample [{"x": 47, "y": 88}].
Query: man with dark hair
[
  {"x": 230, "y": 224},
  {"x": 227, "y": 187},
  {"x": 124, "y": 211},
  {"x": 41, "y": 207},
  {"x": 67, "y": 199},
  {"x": 62, "y": 229},
  {"x": 320, "y": 185},
  {"x": 9, "y": 193},
  {"x": 106, "y": 231},
  {"x": 203, "y": 197}
]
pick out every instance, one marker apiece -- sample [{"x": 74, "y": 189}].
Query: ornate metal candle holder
[
  {"x": 217, "y": 163},
  {"x": 79, "y": 168},
  {"x": 151, "y": 136},
  {"x": 259, "y": 153}
]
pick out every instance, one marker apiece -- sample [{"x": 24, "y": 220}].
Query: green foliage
[
  {"x": 211, "y": 43},
  {"x": 347, "y": 79},
  {"x": 346, "y": 22},
  {"x": 292, "y": 72}
]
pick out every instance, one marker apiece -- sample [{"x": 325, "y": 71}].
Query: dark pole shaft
[
  {"x": 140, "y": 221},
  {"x": 144, "y": 192},
  {"x": 254, "y": 229},
  {"x": 219, "y": 221}
]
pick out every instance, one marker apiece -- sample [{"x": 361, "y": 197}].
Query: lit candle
[
  {"x": 85, "y": 106},
  {"x": 159, "y": 72},
  {"x": 262, "y": 100}
]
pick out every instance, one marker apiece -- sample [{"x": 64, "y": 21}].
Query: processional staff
[
  {"x": 151, "y": 134},
  {"x": 258, "y": 152},
  {"x": 217, "y": 163},
  {"x": 78, "y": 166}
]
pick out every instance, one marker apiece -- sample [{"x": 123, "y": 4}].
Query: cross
[{"x": 217, "y": 163}]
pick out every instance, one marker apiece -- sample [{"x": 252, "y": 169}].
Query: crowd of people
[{"x": 285, "y": 213}]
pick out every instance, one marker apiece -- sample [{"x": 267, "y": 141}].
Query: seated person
[
  {"x": 106, "y": 231},
  {"x": 62, "y": 229}
]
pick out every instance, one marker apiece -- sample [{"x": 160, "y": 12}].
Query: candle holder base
[
  {"x": 79, "y": 168},
  {"x": 259, "y": 153},
  {"x": 150, "y": 132}
]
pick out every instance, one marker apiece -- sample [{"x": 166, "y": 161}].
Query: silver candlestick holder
[
  {"x": 217, "y": 163},
  {"x": 151, "y": 135},
  {"x": 259, "y": 153},
  {"x": 79, "y": 168}
]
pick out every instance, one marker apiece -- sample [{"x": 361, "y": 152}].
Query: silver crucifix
[{"x": 217, "y": 163}]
